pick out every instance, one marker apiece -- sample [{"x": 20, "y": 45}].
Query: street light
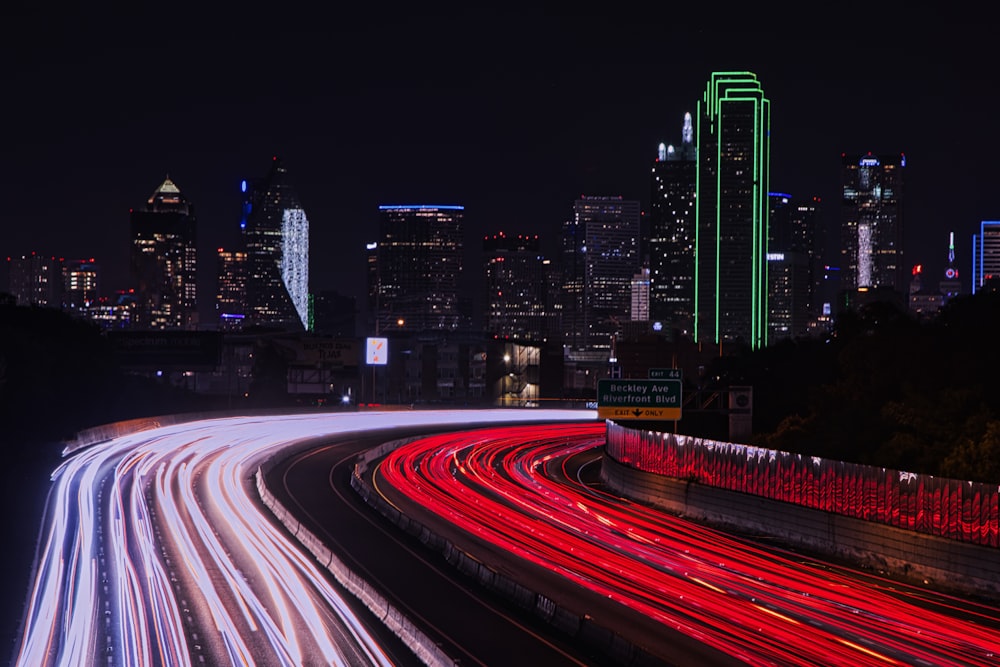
[{"x": 505, "y": 390}]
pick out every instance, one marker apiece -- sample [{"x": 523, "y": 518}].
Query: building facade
[
  {"x": 517, "y": 276},
  {"x": 276, "y": 241},
  {"x": 672, "y": 233},
  {"x": 230, "y": 297},
  {"x": 81, "y": 286},
  {"x": 36, "y": 280},
  {"x": 733, "y": 134},
  {"x": 872, "y": 224},
  {"x": 985, "y": 254},
  {"x": 164, "y": 261},
  {"x": 416, "y": 268},
  {"x": 793, "y": 266},
  {"x": 600, "y": 256}
]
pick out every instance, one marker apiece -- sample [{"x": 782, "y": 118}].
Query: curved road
[
  {"x": 156, "y": 550},
  {"x": 505, "y": 488}
]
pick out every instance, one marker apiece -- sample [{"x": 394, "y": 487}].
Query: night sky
[{"x": 511, "y": 114}]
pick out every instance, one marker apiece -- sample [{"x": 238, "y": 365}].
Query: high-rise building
[
  {"x": 276, "y": 241},
  {"x": 417, "y": 267},
  {"x": 672, "y": 233},
  {"x": 230, "y": 298},
  {"x": 81, "y": 285},
  {"x": 793, "y": 267},
  {"x": 733, "y": 134},
  {"x": 985, "y": 254},
  {"x": 600, "y": 255},
  {"x": 517, "y": 278},
  {"x": 639, "y": 311},
  {"x": 36, "y": 280},
  {"x": 872, "y": 224},
  {"x": 164, "y": 261}
]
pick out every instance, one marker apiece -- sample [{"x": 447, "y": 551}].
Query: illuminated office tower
[
  {"x": 276, "y": 241},
  {"x": 985, "y": 254},
  {"x": 517, "y": 279},
  {"x": 733, "y": 133},
  {"x": 639, "y": 311},
  {"x": 600, "y": 256},
  {"x": 164, "y": 261},
  {"x": 417, "y": 267},
  {"x": 872, "y": 224},
  {"x": 672, "y": 233},
  {"x": 230, "y": 299},
  {"x": 793, "y": 266},
  {"x": 80, "y": 285},
  {"x": 36, "y": 280}
]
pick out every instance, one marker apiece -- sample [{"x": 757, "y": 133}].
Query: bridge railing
[{"x": 954, "y": 509}]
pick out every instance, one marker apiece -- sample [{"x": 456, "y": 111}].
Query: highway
[
  {"x": 155, "y": 549},
  {"x": 518, "y": 490}
]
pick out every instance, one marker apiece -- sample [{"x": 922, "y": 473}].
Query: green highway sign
[
  {"x": 664, "y": 374},
  {"x": 639, "y": 399}
]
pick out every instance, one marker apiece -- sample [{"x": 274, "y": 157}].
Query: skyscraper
[
  {"x": 672, "y": 233},
  {"x": 517, "y": 279},
  {"x": 230, "y": 299},
  {"x": 276, "y": 238},
  {"x": 600, "y": 255},
  {"x": 985, "y": 254},
  {"x": 793, "y": 266},
  {"x": 639, "y": 310},
  {"x": 81, "y": 285},
  {"x": 730, "y": 298},
  {"x": 417, "y": 267},
  {"x": 164, "y": 261},
  {"x": 872, "y": 224},
  {"x": 36, "y": 280}
]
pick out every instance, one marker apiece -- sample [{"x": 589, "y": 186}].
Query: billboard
[{"x": 376, "y": 351}]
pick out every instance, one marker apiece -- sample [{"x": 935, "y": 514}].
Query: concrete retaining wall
[{"x": 945, "y": 564}]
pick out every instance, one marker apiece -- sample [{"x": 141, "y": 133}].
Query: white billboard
[{"x": 376, "y": 351}]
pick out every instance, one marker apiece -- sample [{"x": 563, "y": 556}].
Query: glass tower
[
  {"x": 163, "y": 261},
  {"x": 872, "y": 225},
  {"x": 276, "y": 240},
  {"x": 672, "y": 236},
  {"x": 416, "y": 267},
  {"x": 600, "y": 256},
  {"x": 730, "y": 298},
  {"x": 517, "y": 279},
  {"x": 985, "y": 254}
]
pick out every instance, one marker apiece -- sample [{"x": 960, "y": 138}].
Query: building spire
[{"x": 687, "y": 134}]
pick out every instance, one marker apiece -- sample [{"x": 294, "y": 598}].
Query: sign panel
[
  {"x": 664, "y": 374},
  {"x": 639, "y": 399},
  {"x": 377, "y": 351}
]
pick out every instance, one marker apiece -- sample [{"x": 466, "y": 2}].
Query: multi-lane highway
[
  {"x": 506, "y": 490},
  {"x": 156, "y": 550}
]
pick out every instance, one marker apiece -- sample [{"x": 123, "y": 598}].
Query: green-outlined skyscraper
[{"x": 730, "y": 299}]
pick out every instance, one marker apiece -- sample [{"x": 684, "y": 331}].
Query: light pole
[{"x": 504, "y": 389}]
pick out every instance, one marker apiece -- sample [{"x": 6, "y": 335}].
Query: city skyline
[{"x": 441, "y": 108}]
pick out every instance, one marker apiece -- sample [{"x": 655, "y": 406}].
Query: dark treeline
[
  {"x": 885, "y": 389},
  {"x": 58, "y": 375}
]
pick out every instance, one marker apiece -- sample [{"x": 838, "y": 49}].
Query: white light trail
[{"x": 157, "y": 549}]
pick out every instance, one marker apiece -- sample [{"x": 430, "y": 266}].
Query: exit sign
[{"x": 639, "y": 399}]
